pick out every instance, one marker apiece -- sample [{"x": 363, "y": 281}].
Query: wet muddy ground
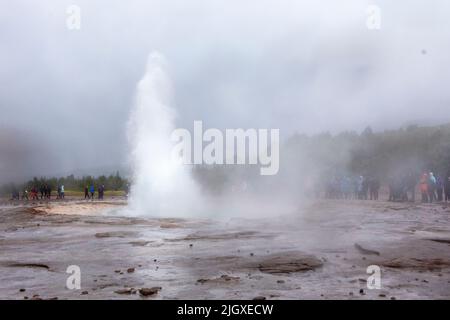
[{"x": 320, "y": 253}]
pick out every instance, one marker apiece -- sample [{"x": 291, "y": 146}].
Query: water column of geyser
[{"x": 161, "y": 187}]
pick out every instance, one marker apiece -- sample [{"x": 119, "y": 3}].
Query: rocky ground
[{"x": 320, "y": 253}]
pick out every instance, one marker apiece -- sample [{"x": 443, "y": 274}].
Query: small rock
[
  {"x": 154, "y": 260},
  {"x": 280, "y": 281},
  {"x": 22, "y": 290},
  {"x": 84, "y": 293},
  {"x": 350, "y": 293},
  {"x": 393, "y": 298},
  {"x": 125, "y": 291},
  {"x": 361, "y": 291},
  {"x": 117, "y": 271},
  {"x": 382, "y": 295},
  {"x": 191, "y": 245},
  {"x": 130, "y": 270},
  {"x": 259, "y": 298},
  {"x": 25, "y": 298},
  {"x": 251, "y": 254},
  {"x": 149, "y": 291}
]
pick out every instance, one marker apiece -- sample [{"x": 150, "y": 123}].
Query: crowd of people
[
  {"x": 353, "y": 187},
  {"x": 434, "y": 188},
  {"x": 89, "y": 192},
  {"x": 44, "y": 192},
  {"x": 401, "y": 187}
]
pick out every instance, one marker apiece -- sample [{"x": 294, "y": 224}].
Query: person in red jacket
[{"x": 424, "y": 187}]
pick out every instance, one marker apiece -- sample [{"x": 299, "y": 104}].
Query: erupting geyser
[{"x": 161, "y": 186}]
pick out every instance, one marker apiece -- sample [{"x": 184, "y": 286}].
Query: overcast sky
[{"x": 305, "y": 66}]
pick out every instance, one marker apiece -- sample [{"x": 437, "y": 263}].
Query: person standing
[
  {"x": 431, "y": 187},
  {"x": 62, "y": 191},
  {"x": 86, "y": 192},
  {"x": 439, "y": 188},
  {"x": 102, "y": 192},
  {"x": 424, "y": 187},
  {"x": 92, "y": 191},
  {"x": 447, "y": 189}
]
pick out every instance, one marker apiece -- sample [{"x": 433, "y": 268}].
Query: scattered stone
[
  {"x": 350, "y": 293},
  {"x": 280, "y": 281},
  {"x": 251, "y": 254},
  {"x": 222, "y": 279},
  {"x": 126, "y": 291},
  {"x": 191, "y": 245},
  {"x": 366, "y": 251},
  {"x": 393, "y": 298},
  {"x": 361, "y": 292},
  {"x": 22, "y": 290},
  {"x": 259, "y": 298},
  {"x": 25, "y": 298},
  {"x": 149, "y": 291},
  {"x": 382, "y": 295},
  {"x": 130, "y": 270},
  {"x": 84, "y": 293},
  {"x": 117, "y": 271}
]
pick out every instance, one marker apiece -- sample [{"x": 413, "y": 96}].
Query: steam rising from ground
[{"x": 161, "y": 187}]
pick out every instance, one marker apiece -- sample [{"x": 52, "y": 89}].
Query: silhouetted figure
[
  {"x": 411, "y": 185},
  {"x": 447, "y": 189},
  {"x": 374, "y": 187},
  {"x": 439, "y": 188},
  {"x": 86, "y": 193}
]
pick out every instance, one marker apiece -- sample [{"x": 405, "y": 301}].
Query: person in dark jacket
[
  {"x": 439, "y": 188},
  {"x": 86, "y": 192},
  {"x": 447, "y": 189}
]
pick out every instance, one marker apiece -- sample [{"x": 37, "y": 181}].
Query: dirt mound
[
  {"x": 116, "y": 234},
  {"x": 288, "y": 262},
  {"x": 418, "y": 264}
]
